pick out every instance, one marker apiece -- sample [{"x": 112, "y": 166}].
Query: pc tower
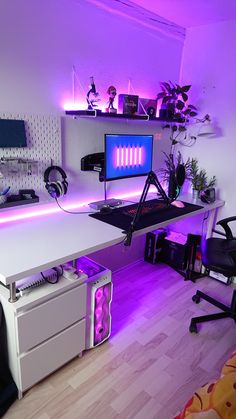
[{"x": 99, "y": 297}]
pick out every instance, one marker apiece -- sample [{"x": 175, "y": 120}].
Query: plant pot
[{"x": 195, "y": 193}]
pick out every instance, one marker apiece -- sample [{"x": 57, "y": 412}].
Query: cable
[
  {"x": 122, "y": 241},
  {"x": 58, "y": 274},
  {"x": 71, "y": 212},
  {"x": 203, "y": 221}
]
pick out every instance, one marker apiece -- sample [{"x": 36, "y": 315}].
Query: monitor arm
[{"x": 151, "y": 180}]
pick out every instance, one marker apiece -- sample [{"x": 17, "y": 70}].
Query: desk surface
[{"x": 31, "y": 246}]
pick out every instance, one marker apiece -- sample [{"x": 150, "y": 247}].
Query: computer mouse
[
  {"x": 105, "y": 209},
  {"x": 178, "y": 204}
]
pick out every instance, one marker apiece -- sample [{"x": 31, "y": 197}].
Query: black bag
[{"x": 8, "y": 389}]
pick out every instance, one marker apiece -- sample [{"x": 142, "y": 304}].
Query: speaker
[
  {"x": 55, "y": 188},
  {"x": 208, "y": 196},
  {"x": 176, "y": 180},
  {"x": 180, "y": 175}
]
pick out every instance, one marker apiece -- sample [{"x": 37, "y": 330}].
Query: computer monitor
[
  {"x": 127, "y": 155},
  {"x": 12, "y": 133}
]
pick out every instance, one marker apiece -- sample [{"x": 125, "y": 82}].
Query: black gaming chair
[{"x": 219, "y": 255}]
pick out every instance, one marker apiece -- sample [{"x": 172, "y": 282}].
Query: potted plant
[
  {"x": 174, "y": 107},
  {"x": 199, "y": 178},
  {"x": 174, "y": 102}
]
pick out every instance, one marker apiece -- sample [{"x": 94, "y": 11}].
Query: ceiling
[{"x": 187, "y": 13}]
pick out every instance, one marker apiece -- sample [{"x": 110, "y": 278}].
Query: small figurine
[
  {"x": 91, "y": 102},
  {"x": 111, "y": 91}
]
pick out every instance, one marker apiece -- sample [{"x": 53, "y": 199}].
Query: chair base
[{"x": 226, "y": 311}]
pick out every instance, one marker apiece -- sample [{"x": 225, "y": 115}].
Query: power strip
[{"x": 71, "y": 273}]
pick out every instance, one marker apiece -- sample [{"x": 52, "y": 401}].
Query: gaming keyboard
[{"x": 149, "y": 207}]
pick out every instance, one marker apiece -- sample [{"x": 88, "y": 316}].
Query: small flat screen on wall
[{"x": 12, "y": 133}]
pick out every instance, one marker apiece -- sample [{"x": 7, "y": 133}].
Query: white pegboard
[{"x": 43, "y": 145}]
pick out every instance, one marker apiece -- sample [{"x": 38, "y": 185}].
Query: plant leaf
[
  {"x": 180, "y": 105},
  {"x": 185, "y": 97},
  {"x": 161, "y": 95},
  {"x": 167, "y": 86},
  {"x": 182, "y": 128},
  {"x": 192, "y": 107},
  {"x": 186, "y": 111},
  {"x": 186, "y": 88},
  {"x": 166, "y": 99}
]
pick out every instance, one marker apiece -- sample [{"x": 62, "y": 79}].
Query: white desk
[
  {"x": 47, "y": 329},
  {"x": 31, "y": 246}
]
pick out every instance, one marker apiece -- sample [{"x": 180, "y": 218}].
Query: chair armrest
[{"x": 224, "y": 223}]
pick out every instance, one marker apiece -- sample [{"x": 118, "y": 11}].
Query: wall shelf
[
  {"x": 99, "y": 114},
  {"x": 18, "y": 202},
  {"x": 16, "y": 165}
]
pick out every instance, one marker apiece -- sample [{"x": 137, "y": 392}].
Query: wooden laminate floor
[{"x": 151, "y": 365}]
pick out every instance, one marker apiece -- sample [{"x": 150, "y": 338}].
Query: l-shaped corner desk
[{"x": 46, "y": 328}]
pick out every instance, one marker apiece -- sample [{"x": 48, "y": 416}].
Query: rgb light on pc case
[
  {"x": 102, "y": 318},
  {"x": 98, "y": 321},
  {"x": 99, "y": 297}
]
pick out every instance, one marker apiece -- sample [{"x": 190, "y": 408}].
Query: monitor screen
[
  {"x": 127, "y": 155},
  {"x": 12, "y": 133}
]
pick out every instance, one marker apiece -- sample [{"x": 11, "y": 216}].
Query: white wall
[
  {"x": 40, "y": 42},
  {"x": 208, "y": 64}
]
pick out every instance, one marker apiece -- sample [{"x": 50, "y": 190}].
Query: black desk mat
[{"x": 122, "y": 221}]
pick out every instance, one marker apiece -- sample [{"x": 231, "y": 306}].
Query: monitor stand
[{"x": 112, "y": 202}]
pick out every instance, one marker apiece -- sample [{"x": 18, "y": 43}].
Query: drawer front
[
  {"x": 39, "y": 324},
  {"x": 46, "y": 358}
]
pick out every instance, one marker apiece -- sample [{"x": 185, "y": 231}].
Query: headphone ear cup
[
  {"x": 60, "y": 187},
  {"x": 53, "y": 189},
  {"x": 65, "y": 184}
]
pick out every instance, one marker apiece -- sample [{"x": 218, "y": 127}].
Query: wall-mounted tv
[
  {"x": 12, "y": 133},
  {"x": 127, "y": 155}
]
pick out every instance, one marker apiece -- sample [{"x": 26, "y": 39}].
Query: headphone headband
[{"x": 50, "y": 169}]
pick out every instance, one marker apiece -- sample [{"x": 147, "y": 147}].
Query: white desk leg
[
  {"x": 13, "y": 296},
  {"x": 20, "y": 394},
  {"x": 210, "y": 223}
]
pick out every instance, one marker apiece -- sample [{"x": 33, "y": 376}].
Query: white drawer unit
[
  {"x": 50, "y": 318},
  {"x": 45, "y": 329},
  {"x": 47, "y": 357}
]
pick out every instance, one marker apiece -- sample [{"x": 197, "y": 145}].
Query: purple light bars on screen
[
  {"x": 128, "y": 156},
  {"x": 101, "y": 313}
]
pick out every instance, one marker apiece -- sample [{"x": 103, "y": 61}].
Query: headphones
[{"x": 55, "y": 188}]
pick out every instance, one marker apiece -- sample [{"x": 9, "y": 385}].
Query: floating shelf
[
  {"x": 99, "y": 114},
  {"x": 13, "y": 165},
  {"x": 25, "y": 201}
]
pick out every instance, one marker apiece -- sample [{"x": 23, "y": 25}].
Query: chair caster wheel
[
  {"x": 193, "y": 328},
  {"x": 196, "y": 299}
]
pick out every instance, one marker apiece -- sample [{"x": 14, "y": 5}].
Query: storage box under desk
[{"x": 174, "y": 254}]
